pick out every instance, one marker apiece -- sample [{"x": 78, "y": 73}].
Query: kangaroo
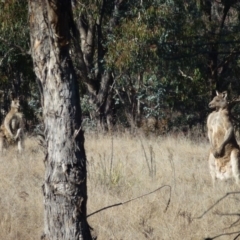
[
  {"x": 224, "y": 157},
  {"x": 11, "y": 130}
]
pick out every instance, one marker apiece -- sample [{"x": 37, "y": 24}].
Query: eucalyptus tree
[
  {"x": 184, "y": 50},
  {"x": 95, "y": 23},
  {"x": 221, "y": 32},
  {"x": 115, "y": 46},
  {"x": 113, "y": 42},
  {"x": 65, "y": 188},
  {"x": 16, "y": 74}
]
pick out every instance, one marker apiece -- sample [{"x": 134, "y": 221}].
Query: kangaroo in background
[
  {"x": 11, "y": 130},
  {"x": 224, "y": 157}
]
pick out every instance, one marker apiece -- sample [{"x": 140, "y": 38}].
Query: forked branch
[
  {"x": 211, "y": 207},
  {"x": 216, "y": 203}
]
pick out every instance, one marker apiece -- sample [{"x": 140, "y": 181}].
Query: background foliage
[
  {"x": 16, "y": 69},
  {"x": 167, "y": 58}
]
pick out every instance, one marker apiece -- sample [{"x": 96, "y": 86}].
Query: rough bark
[{"x": 64, "y": 188}]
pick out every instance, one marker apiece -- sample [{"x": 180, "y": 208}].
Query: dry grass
[
  {"x": 121, "y": 168},
  {"x": 21, "y": 201}
]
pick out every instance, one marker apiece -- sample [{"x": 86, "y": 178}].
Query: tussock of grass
[{"x": 121, "y": 168}]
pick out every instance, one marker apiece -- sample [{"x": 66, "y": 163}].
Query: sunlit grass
[
  {"x": 21, "y": 201},
  {"x": 120, "y": 168}
]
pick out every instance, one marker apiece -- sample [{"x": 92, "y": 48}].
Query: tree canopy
[{"x": 136, "y": 59}]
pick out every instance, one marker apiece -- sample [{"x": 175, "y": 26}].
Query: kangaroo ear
[{"x": 217, "y": 92}]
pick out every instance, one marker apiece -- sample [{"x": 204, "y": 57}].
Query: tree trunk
[
  {"x": 216, "y": 65},
  {"x": 64, "y": 188},
  {"x": 92, "y": 64},
  {"x": 104, "y": 102}
]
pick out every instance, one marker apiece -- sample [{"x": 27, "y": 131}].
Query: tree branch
[
  {"x": 224, "y": 234},
  {"x": 130, "y": 200},
  {"x": 23, "y": 51},
  {"x": 216, "y": 203},
  {"x": 1, "y": 61},
  {"x": 91, "y": 85},
  {"x": 227, "y": 5},
  {"x": 184, "y": 75}
]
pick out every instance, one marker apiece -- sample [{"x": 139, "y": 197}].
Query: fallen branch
[
  {"x": 224, "y": 234},
  {"x": 122, "y": 203},
  {"x": 211, "y": 207},
  {"x": 217, "y": 202}
]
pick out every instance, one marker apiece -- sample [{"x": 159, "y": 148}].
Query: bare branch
[
  {"x": 230, "y": 214},
  {"x": 216, "y": 203},
  {"x": 1, "y": 61},
  {"x": 224, "y": 234},
  {"x": 211, "y": 207},
  {"x": 130, "y": 200},
  {"x": 226, "y": 60},
  {"x": 15, "y": 46},
  {"x": 233, "y": 102},
  {"x": 184, "y": 75}
]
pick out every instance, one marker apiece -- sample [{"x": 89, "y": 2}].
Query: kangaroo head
[
  {"x": 219, "y": 101},
  {"x": 15, "y": 103}
]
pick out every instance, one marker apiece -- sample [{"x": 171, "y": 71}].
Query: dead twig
[
  {"x": 216, "y": 203},
  {"x": 145, "y": 155},
  {"x": 130, "y": 200},
  {"x": 23, "y": 51},
  {"x": 230, "y": 214},
  {"x": 184, "y": 75},
  {"x": 233, "y": 224},
  {"x": 111, "y": 160},
  {"x": 224, "y": 234},
  {"x": 5, "y": 56}
]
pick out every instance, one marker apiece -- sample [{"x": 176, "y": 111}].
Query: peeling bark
[{"x": 64, "y": 188}]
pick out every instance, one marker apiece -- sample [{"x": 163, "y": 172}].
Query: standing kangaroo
[
  {"x": 11, "y": 130},
  {"x": 224, "y": 157}
]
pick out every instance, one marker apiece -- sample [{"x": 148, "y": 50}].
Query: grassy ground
[
  {"x": 21, "y": 201},
  {"x": 121, "y": 168}
]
